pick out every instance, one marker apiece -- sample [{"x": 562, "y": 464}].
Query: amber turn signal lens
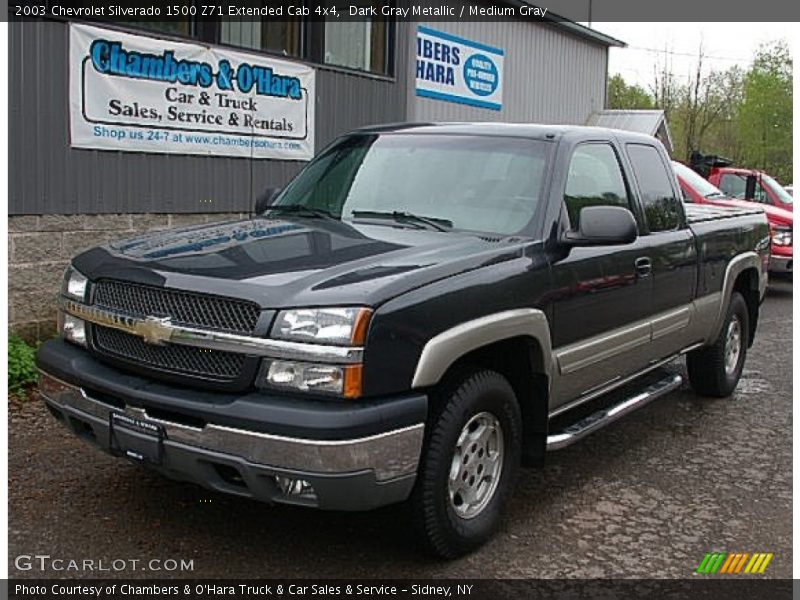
[
  {"x": 352, "y": 381},
  {"x": 360, "y": 326}
]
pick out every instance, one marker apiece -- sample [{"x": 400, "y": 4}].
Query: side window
[
  {"x": 594, "y": 179},
  {"x": 760, "y": 193},
  {"x": 661, "y": 207},
  {"x": 733, "y": 185}
]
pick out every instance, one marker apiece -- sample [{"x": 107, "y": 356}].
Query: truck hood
[{"x": 282, "y": 262}]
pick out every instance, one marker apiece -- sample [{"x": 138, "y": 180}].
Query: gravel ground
[{"x": 645, "y": 497}]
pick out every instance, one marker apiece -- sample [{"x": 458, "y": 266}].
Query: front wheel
[
  {"x": 469, "y": 463},
  {"x": 715, "y": 370}
]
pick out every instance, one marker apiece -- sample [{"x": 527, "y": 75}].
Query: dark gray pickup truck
[{"x": 420, "y": 311}]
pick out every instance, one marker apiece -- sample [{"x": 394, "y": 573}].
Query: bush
[{"x": 21, "y": 365}]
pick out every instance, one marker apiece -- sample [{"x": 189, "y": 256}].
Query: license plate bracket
[{"x": 137, "y": 439}]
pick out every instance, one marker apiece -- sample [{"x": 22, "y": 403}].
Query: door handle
[{"x": 643, "y": 266}]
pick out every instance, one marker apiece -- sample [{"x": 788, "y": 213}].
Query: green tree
[
  {"x": 765, "y": 114},
  {"x": 706, "y": 102},
  {"x": 624, "y": 96}
]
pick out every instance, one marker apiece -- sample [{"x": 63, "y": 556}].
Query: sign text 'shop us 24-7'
[
  {"x": 458, "y": 70},
  {"x": 144, "y": 94}
]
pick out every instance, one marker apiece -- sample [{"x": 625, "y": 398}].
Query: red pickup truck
[
  {"x": 742, "y": 184},
  {"x": 700, "y": 191}
]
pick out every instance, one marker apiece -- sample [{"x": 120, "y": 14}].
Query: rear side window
[
  {"x": 661, "y": 207},
  {"x": 733, "y": 185},
  {"x": 594, "y": 179}
]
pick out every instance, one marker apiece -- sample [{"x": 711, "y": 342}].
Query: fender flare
[
  {"x": 737, "y": 265},
  {"x": 444, "y": 349}
]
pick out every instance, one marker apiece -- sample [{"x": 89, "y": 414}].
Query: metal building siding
[
  {"x": 46, "y": 176},
  {"x": 550, "y": 76}
]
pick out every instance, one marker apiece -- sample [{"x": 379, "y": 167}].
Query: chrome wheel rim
[
  {"x": 477, "y": 465},
  {"x": 733, "y": 345}
]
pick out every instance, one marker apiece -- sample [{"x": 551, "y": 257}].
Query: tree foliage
[
  {"x": 745, "y": 115},
  {"x": 622, "y": 95},
  {"x": 765, "y": 114}
]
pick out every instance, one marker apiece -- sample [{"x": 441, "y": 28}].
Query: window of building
[
  {"x": 594, "y": 179},
  {"x": 281, "y": 37},
  {"x": 176, "y": 27},
  {"x": 361, "y": 45},
  {"x": 661, "y": 207}
]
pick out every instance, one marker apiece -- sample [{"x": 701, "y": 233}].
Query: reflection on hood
[{"x": 203, "y": 238}]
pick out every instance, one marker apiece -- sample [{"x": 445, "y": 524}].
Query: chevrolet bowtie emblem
[{"x": 153, "y": 330}]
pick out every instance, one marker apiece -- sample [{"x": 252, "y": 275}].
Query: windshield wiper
[
  {"x": 714, "y": 195},
  {"x": 406, "y": 217},
  {"x": 309, "y": 211}
]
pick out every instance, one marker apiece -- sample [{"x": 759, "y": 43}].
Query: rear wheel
[
  {"x": 715, "y": 370},
  {"x": 469, "y": 463}
]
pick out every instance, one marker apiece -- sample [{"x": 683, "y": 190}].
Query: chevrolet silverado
[{"x": 421, "y": 310}]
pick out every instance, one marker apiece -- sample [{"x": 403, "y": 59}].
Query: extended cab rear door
[{"x": 671, "y": 254}]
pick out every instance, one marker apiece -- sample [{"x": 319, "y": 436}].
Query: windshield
[
  {"x": 783, "y": 196},
  {"x": 696, "y": 182},
  {"x": 475, "y": 183}
]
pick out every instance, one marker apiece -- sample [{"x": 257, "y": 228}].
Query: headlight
[
  {"x": 72, "y": 328},
  {"x": 74, "y": 284},
  {"x": 782, "y": 237},
  {"x": 309, "y": 377},
  {"x": 341, "y": 326}
]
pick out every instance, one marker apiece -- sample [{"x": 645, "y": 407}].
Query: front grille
[
  {"x": 189, "y": 309},
  {"x": 184, "y": 308},
  {"x": 196, "y": 362}
]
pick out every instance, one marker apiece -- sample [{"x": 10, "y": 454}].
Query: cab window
[
  {"x": 661, "y": 208},
  {"x": 733, "y": 185},
  {"x": 594, "y": 179}
]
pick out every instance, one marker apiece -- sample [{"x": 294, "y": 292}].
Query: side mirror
[
  {"x": 603, "y": 226},
  {"x": 266, "y": 198}
]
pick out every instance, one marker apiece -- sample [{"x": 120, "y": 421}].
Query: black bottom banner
[{"x": 335, "y": 589}]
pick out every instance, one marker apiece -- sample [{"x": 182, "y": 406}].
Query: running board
[{"x": 580, "y": 429}]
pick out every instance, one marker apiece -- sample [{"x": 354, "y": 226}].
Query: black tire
[
  {"x": 459, "y": 402},
  {"x": 708, "y": 374}
]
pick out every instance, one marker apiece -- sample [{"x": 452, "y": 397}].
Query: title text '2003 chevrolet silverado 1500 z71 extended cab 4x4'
[{"x": 420, "y": 310}]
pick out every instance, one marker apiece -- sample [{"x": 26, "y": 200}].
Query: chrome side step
[{"x": 605, "y": 416}]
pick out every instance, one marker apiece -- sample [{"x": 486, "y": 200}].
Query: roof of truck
[{"x": 526, "y": 130}]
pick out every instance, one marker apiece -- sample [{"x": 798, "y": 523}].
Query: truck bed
[{"x": 698, "y": 213}]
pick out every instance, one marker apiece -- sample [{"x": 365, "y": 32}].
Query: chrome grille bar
[{"x": 161, "y": 331}]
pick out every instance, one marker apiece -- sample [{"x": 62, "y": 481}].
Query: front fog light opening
[
  {"x": 72, "y": 329},
  {"x": 295, "y": 488}
]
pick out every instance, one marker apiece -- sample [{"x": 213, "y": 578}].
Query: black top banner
[{"x": 591, "y": 11}]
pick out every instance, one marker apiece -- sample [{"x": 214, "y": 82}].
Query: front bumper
[
  {"x": 370, "y": 469},
  {"x": 780, "y": 264}
]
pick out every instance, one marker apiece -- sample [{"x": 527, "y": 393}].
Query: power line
[{"x": 691, "y": 54}]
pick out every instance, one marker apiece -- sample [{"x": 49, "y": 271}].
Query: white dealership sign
[
  {"x": 455, "y": 69},
  {"x": 143, "y": 94}
]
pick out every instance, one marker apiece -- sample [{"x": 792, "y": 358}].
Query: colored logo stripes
[{"x": 734, "y": 563}]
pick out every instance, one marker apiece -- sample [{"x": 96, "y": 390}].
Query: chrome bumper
[
  {"x": 389, "y": 455},
  {"x": 780, "y": 264}
]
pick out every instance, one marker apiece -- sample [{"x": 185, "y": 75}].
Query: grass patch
[{"x": 22, "y": 371}]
